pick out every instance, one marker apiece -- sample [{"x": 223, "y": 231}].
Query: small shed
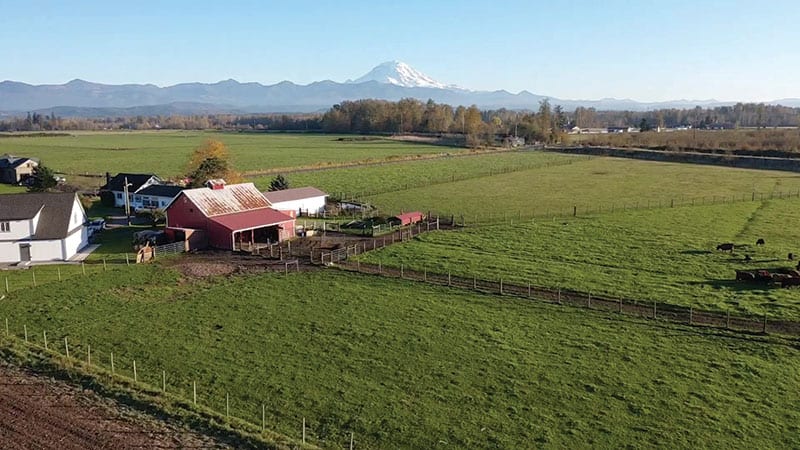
[{"x": 408, "y": 218}]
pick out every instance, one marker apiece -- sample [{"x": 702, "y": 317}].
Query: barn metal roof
[
  {"x": 252, "y": 219},
  {"x": 233, "y": 198},
  {"x": 288, "y": 195}
]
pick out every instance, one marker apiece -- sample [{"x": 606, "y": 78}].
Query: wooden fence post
[
  {"x": 728, "y": 319},
  {"x": 194, "y": 392},
  {"x": 589, "y": 302},
  {"x": 304, "y": 430},
  {"x": 690, "y": 315},
  {"x": 501, "y": 286},
  {"x": 448, "y": 279},
  {"x": 88, "y": 354},
  {"x": 44, "y": 333},
  {"x": 654, "y": 309},
  {"x": 164, "y": 381},
  {"x": 112, "y": 363},
  {"x": 227, "y": 405},
  {"x": 6, "y": 285},
  {"x": 401, "y": 271},
  {"x": 66, "y": 347},
  {"x": 558, "y": 295},
  {"x": 263, "y": 417},
  {"x": 619, "y": 310},
  {"x": 83, "y": 267},
  {"x": 529, "y": 289},
  {"x": 425, "y": 274},
  {"x": 33, "y": 274}
]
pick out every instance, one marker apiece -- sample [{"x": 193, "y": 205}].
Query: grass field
[
  {"x": 664, "y": 254},
  {"x": 405, "y": 365},
  {"x": 166, "y": 153},
  {"x": 360, "y": 181},
  {"x": 590, "y": 184}
]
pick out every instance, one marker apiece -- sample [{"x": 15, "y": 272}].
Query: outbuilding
[
  {"x": 41, "y": 227},
  {"x": 14, "y": 169},
  {"x": 231, "y": 215},
  {"x": 406, "y": 218},
  {"x": 304, "y": 201}
]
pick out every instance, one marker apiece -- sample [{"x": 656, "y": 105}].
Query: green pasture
[
  {"x": 668, "y": 255},
  {"x": 357, "y": 182},
  {"x": 592, "y": 185},
  {"x": 406, "y": 365},
  {"x": 167, "y": 153}
]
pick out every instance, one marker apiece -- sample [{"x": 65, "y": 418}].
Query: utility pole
[{"x": 127, "y": 201}]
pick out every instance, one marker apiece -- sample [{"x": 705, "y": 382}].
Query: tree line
[{"x": 548, "y": 123}]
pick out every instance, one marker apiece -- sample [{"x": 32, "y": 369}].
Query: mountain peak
[{"x": 399, "y": 73}]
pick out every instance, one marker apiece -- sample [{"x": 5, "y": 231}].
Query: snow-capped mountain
[{"x": 401, "y": 74}]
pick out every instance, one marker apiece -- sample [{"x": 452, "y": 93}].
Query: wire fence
[
  {"x": 240, "y": 412},
  {"x": 511, "y": 217},
  {"x": 650, "y": 309}
]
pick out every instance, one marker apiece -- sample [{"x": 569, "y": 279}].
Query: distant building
[
  {"x": 308, "y": 201},
  {"x": 155, "y": 196},
  {"x": 14, "y": 169},
  {"x": 136, "y": 182},
  {"x": 621, "y": 129},
  {"x": 231, "y": 215},
  {"x": 41, "y": 227}
]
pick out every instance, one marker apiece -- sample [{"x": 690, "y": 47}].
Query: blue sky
[{"x": 645, "y": 50}]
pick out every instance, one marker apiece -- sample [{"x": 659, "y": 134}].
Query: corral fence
[
  {"x": 649, "y": 309},
  {"x": 519, "y": 215},
  {"x": 401, "y": 234}
]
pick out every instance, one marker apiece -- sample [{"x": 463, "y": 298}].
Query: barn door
[{"x": 24, "y": 252}]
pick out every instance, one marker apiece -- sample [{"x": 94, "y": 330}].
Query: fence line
[
  {"x": 510, "y": 217},
  {"x": 649, "y": 309},
  {"x": 401, "y": 234},
  {"x": 71, "y": 354}
]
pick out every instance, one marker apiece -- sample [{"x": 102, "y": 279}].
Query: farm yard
[{"x": 404, "y": 364}]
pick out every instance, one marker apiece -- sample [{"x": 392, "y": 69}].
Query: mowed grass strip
[
  {"x": 405, "y": 365},
  {"x": 667, "y": 255},
  {"x": 167, "y": 153},
  {"x": 357, "y": 182},
  {"x": 593, "y": 185}
]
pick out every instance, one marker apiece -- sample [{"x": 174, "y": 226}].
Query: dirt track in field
[{"x": 37, "y": 412}]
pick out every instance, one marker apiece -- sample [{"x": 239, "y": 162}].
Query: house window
[
  {"x": 119, "y": 195},
  {"x": 5, "y": 227}
]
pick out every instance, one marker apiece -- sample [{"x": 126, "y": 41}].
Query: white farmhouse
[
  {"x": 136, "y": 182},
  {"x": 41, "y": 227},
  {"x": 307, "y": 201}
]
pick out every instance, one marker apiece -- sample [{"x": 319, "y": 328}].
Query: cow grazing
[
  {"x": 747, "y": 258},
  {"x": 726, "y": 247},
  {"x": 760, "y": 241},
  {"x": 790, "y": 256}
]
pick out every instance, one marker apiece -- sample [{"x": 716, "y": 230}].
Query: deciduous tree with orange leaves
[{"x": 209, "y": 161}]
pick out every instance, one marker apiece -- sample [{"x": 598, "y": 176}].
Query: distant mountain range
[{"x": 389, "y": 81}]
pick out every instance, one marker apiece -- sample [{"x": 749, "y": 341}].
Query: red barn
[{"x": 230, "y": 215}]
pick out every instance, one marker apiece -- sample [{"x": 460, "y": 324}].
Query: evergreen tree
[
  {"x": 43, "y": 179},
  {"x": 279, "y": 183}
]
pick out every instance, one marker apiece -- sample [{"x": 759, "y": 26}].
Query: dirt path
[{"x": 37, "y": 412}]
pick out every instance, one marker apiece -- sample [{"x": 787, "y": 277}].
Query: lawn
[
  {"x": 595, "y": 184},
  {"x": 166, "y": 153},
  {"x": 666, "y": 254},
  {"x": 405, "y": 365}
]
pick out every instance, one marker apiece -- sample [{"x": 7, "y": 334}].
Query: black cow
[
  {"x": 747, "y": 258},
  {"x": 790, "y": 256},
  {"x": 726, "y": 247},
  {"x": 760, "y": 241}
]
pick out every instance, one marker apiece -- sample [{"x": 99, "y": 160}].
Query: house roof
[
  {"x": 161, "y": 190},
  {"x": 56, "y": 211},
  {"x": 288, "y": 195},
  {"x": 252, "y": 219},
  {"x": 136, "y": 180},
  {"x": 409, "y": 215},
  {"x": 12, "y": 162},
  {"x": 233, "y": 198}
]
